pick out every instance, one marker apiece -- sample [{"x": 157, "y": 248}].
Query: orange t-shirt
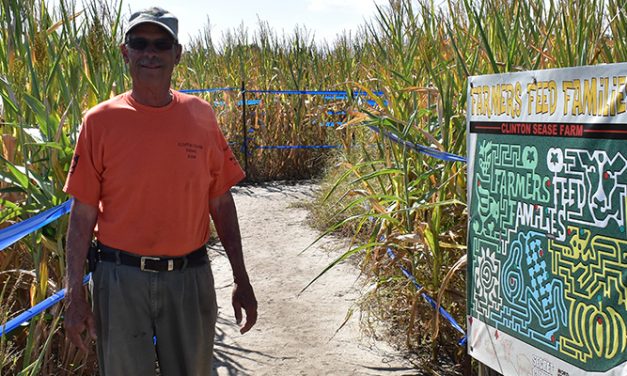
[{"x": 151, "y": 172}]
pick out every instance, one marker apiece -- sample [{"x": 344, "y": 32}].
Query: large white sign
[{"x": 547, "y": 241}]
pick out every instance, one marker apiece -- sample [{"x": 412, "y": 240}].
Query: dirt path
[{"x": 294, "y": 334}]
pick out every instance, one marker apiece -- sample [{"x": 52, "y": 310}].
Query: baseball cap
[{"x": 157, "y": 16}]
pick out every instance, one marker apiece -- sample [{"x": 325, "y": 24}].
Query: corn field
[{"x": 57, "y": 61}]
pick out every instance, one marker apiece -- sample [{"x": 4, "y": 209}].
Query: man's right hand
[
  {"x": 78, "y": 315},
  {"x": 78, "y": 319}
]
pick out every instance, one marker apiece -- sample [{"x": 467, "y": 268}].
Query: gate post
[{"x": 244, "y": 130}]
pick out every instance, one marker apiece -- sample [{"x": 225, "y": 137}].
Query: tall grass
[
  {"x": 55, "y": 62},
  {"x": 265, "y": 61}
]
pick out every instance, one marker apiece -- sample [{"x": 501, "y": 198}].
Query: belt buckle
[{"x": 142, "y": 264}]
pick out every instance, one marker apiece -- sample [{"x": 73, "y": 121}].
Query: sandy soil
[{"x": 295, "y": 334}]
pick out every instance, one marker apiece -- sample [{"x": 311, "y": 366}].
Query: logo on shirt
[
  {"x": 191, "y": 149},
  {"x": 227, "y": 150},
  {"x": 74, "y": 164}
]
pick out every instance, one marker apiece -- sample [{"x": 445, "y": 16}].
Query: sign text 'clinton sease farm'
[{"x": 547, "y": 245}]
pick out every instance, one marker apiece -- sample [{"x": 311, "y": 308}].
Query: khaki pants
[{"x": 132, "y": 307}]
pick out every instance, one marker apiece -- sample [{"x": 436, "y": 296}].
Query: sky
[{"x": 324, "y": 18}]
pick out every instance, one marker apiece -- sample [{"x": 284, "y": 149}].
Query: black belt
[{"x": 150, "y": 263}]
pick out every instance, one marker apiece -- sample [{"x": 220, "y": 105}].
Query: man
[{"x": 150, "y": 167}]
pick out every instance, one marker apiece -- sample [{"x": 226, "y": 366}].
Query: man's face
[{"x": 149, "y": 59}]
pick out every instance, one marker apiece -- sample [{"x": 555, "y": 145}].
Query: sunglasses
[{"x": 140, "y": 44}]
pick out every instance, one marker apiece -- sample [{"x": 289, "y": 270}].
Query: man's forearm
[
  {"x": 224, "y": 216},
  {"x": 80, "y": 232}
]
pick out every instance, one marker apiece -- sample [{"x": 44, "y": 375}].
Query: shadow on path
[
  {"x": 227, "y": 359},
  {"x": 286, "y": 188}
]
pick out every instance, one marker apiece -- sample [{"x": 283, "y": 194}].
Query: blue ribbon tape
[
  {"x": 17, "y": 231},
  {"x": 331, "y": 94},
  {"x": 340, "y": 93},
  {"x": 214, "y": 90},
  {"x": 35, "y": 310},
  {"x": 335, "y": 97},
  {"x": 299, "y": 147},
  {"x": 435, "y": 153},
  {"x": 327, "y": 93},
  {"x": 430, "y": 300},
  {"x": 372, "y": 103},
  {"x": 250, "y": 102}
]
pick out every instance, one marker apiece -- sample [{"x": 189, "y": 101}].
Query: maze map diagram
[{"x": 548, "y": 245}]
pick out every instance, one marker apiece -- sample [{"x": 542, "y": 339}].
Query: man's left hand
[{"x": 244, "y": 298}]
